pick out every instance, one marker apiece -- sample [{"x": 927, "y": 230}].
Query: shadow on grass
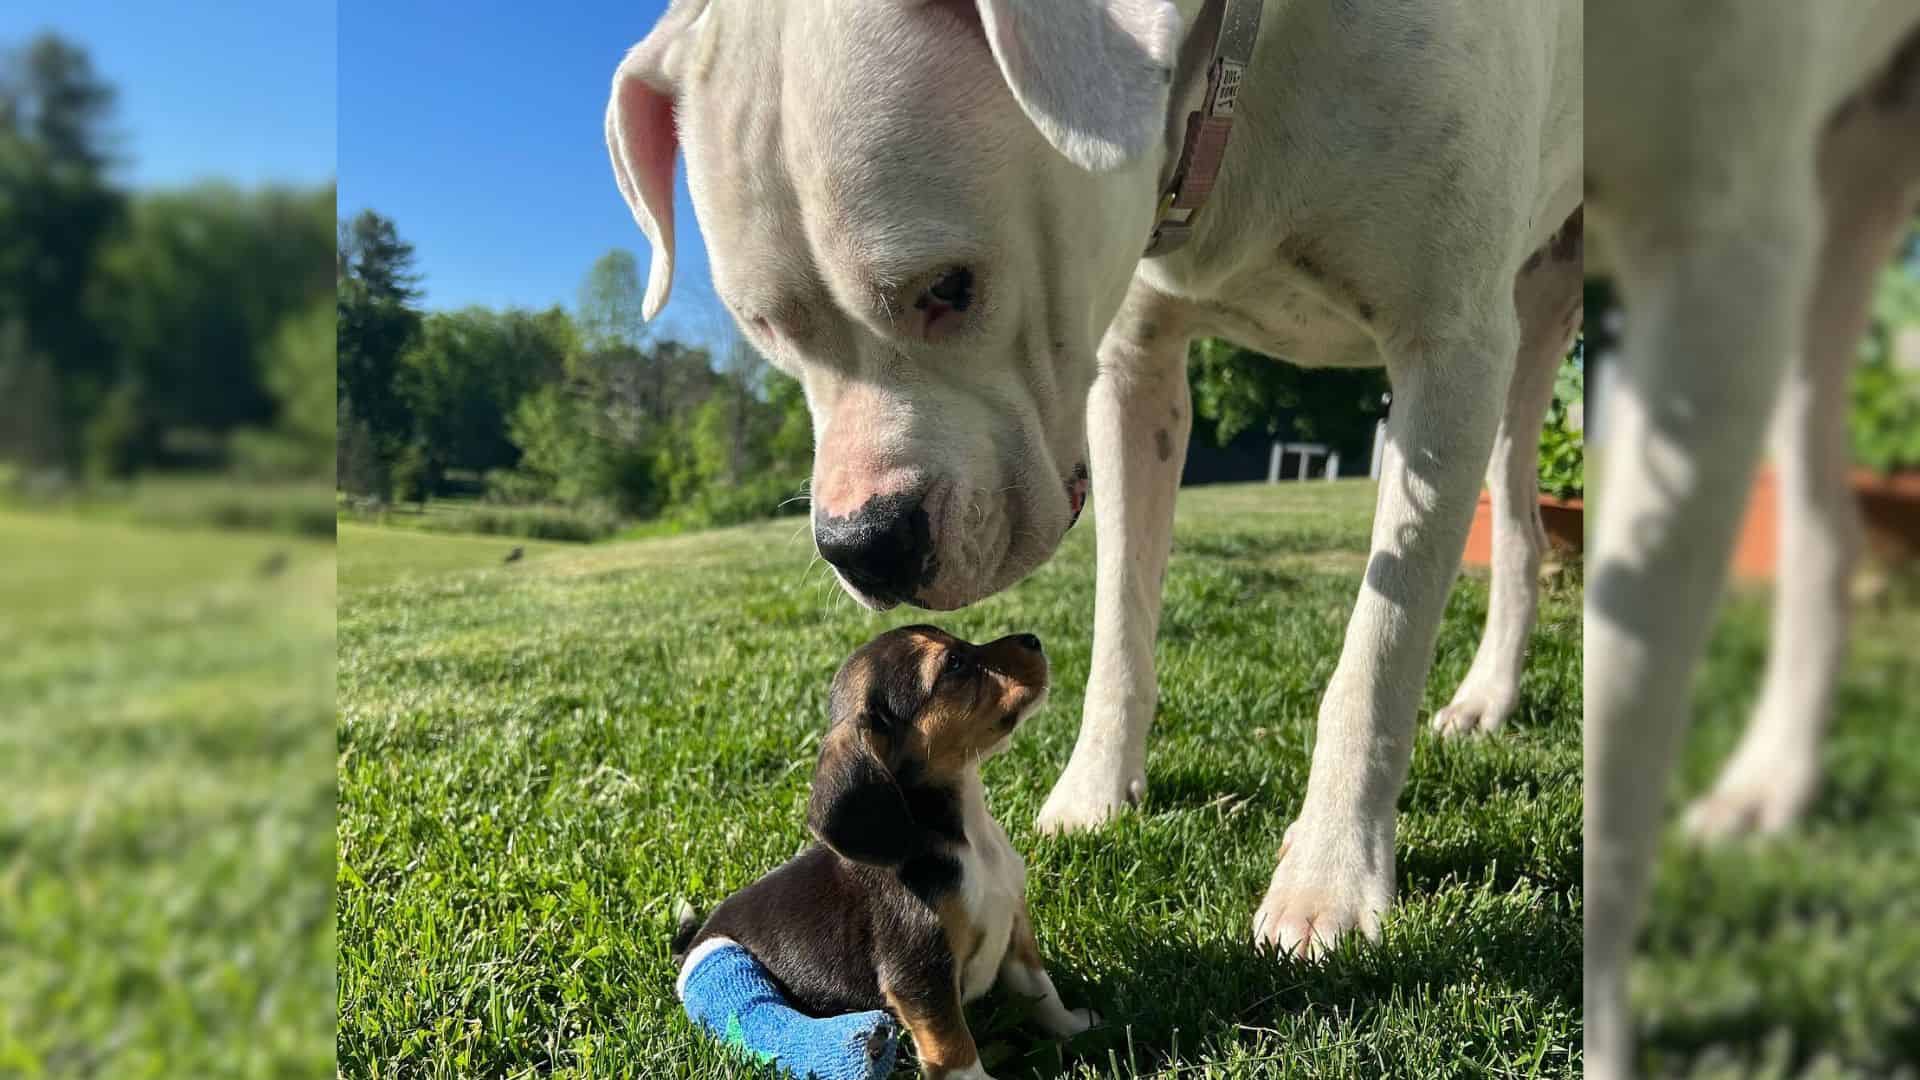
[
  {"x": 1494, "y": 863},
  {"x": 1197, "y": 785},
  {"x": 1183, "y": 995},
  {"x": 1766, "y": 1039}
]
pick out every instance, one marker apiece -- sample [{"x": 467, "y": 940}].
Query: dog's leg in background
[
  {"x": 1869, "y": 165},
  {"x": 1714, "y": 276},
  {"x": 1547, "y": 296},
  {"x": 1702, "y": 129},
  {"x": 1335, "y": 870},
  {"x": 1138, "y": 420},
  {"x": 1709, "y": 316}
]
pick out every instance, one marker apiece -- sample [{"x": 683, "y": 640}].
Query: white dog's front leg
[
  {"x": 1546, "y": 294},
  {"x": 1138, "y": 419},
  {"x": 1335, "y": 872}
]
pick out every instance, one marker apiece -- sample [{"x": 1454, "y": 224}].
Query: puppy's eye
[
  {"x": 953, "y": 289},
  {"x": 956, "y": 663}
]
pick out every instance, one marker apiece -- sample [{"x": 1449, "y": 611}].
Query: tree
[
  {"x": 465, "y": 374},
  {"x": 29, "y": 402},
  {"x": 372, "y": 253},
  {"x": 50, "y": 96},
  {"x": 56, "y": 211},
  {"x": 300, "y": 376},
  {"x": 375, "y": 322},
  {"x": 610, "y": 303},
  {"x": 194, "y": 294}
]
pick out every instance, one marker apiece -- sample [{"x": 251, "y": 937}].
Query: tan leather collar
[{"x": 1207, "y": 128}]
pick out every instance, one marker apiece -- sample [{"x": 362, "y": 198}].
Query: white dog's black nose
[{"x": 882, "y": 549}]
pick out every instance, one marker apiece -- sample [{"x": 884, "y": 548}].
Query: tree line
[
  {"x": 143, "y": 330},
  {"x": 583, "y": 408}
]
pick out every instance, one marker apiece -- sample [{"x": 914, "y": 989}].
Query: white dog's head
[{"x": 927, "y": 211}]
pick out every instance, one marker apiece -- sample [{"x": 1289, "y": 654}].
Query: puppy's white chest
[{"x": 993, "y": 880}]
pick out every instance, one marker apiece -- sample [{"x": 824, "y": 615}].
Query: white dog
[
  {"x": 933, "y": 213},
  {"x": 1750, "y": 165}
]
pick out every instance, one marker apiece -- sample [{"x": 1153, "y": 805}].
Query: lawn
[
  {"x": 165, "y": 759},
  {"x": 1800, "y": 955},
  {"x": 537, "y": 759},
  {"x": 389, "y": 556}
]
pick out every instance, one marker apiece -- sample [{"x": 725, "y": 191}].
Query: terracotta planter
[
  {"x": 1889, "y": 508},
  {"x": 1565, "y": 521}
]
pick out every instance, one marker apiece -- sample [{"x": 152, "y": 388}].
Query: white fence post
[
  {"x": 1379, "y": 448},
  {"x": 1333, "y": 466},
  {"x": 1273, "y": 463}
]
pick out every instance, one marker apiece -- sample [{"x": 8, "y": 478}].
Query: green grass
[
  {"x": 370, "y": 555},
  {"x": 1797, "y": 956},
  {"x": 165, "y": 764},
  {"x": 537, "y": 760}
]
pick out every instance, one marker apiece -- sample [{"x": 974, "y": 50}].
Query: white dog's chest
[
  {"x": 993, "y": 883},
  {"x": 1273, "y": 309}
]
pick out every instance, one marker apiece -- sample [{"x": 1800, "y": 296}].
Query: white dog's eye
[{"x": 953, "y": 288}]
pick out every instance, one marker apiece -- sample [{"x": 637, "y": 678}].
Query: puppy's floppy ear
[
  {"x": 1092, "y": 75},
  {"x": 643, "y": 141},
  {"x": 857, "y": 808}
]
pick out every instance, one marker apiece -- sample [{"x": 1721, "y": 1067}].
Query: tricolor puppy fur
[{"x": 913, "y": 901}]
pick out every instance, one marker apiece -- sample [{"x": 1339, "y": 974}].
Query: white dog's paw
[
  {"x": 1090, "y": 792},
  {"x": 1473, "y": 711},
  {"x": 1753, "y": 800},
  {"x": 1324, "y": 889}
]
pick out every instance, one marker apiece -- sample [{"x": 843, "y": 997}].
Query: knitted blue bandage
[{"x": 726, "y": 991}]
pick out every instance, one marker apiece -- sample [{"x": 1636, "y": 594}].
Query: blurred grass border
[{"x": 166, "y": 754}]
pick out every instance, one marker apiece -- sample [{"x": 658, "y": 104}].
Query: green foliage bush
[
  {"x": 1563, "y": 438},
  {"x": 580, "y": 524},
  {"x": 1884, "y": 419},
  {"x": 1239, "y": 389},
  {"x": 205, "y": 502}
]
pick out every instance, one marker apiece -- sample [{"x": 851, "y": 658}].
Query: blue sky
[
  {"x": 208, "y": 88},
  {"x": 478, "y": 127}
]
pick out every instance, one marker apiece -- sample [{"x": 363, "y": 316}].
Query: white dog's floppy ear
[
  {"x": 1092, "y": 75},
  {"x": 643, "y": 141}
]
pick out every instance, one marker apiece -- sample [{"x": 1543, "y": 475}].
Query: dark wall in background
[{"x": 1244, "y": 459}]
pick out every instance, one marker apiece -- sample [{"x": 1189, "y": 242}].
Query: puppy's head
[
  {"x": 927, "y": 211},
  {"x": 913, "y": 710}
]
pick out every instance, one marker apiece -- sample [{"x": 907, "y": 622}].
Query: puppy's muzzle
[{"x": 884, "y": 549}]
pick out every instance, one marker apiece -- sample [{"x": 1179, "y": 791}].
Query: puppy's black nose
[
  {"x": 1029, "y": 640},
  {"x": 883, "y": 549}
]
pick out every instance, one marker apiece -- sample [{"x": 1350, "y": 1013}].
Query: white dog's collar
[{"x": 1207, "y": 128}]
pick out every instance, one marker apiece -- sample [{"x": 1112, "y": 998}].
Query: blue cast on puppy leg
[{"x": 726, "y": 991}]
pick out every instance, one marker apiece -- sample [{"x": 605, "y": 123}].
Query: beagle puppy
[{"x": 913, "y": 901}]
